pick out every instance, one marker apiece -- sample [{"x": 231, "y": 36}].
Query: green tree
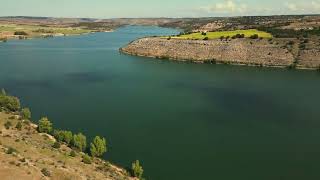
[
  {"x": 79, "y": 141},
  {"x": 58, "y": 135},
  {"x": 9, "y": 102},
  {"x": 98, "y": 147},
  {"x": 26, "y": 113},
  {"x": 45, "y": 126},
  {"x": 63, "y": 136},
  {"x": 67, "y": 136},
  {"x": 137, "y": 169}
]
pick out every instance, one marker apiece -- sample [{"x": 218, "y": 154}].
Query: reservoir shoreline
[{"x": 247, "y": 52}]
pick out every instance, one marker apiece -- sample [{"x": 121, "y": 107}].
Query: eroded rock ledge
[{"x": 258, "y": 52}]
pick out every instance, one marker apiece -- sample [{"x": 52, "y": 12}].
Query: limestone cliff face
[{"x": 235, "y": 51}]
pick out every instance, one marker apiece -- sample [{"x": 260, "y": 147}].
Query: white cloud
[
  {"x": 291, "y": 6},
  {"x": 303, "y": 7},
  {"x": 225, "y": 7},
  {"x": 240, "y": 7}
]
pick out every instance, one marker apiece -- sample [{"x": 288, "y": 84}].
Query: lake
[{"x": 182, "y": 121}]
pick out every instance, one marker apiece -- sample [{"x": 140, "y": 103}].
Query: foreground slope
[{"x": 26, "y": 154}]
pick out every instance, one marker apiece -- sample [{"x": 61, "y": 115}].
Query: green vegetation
[
  {"x": 11, "y": 150},
  {"x": 26, "y": 113},
  {"x": 137, "y": 169},
  {"x": 79, "y": 141},
  {"x": 45, "y": 126},
  {"x": 98, "y": 147},
  {"x": 73, "y": 153},
  {"x": 63, "y": 136},
  {"x": 7, "y": 125},
  {"x": 290, "y": 33},
  {"x": 56, "y": 145},
  {"x": 40, "y": 31},
  {"x": 46, "y": 172},
  {"x": 20, "y": 33},
  {"x": 86, "y": 159},
  {"x": 19, "y": 126},
  {"x": 255, "y": 36},
  {"x": 9, "y": 102},
  {"x": 218, "y": 34}
]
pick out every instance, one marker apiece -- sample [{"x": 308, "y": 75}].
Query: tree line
[{"x": 78, "y": 141}]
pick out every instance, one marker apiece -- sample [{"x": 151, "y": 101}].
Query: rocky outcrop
[{"x": 258, "y": 52}]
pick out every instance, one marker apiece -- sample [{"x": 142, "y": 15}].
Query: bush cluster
[
  {"x": 20, "y": 33},
  {"x": 10, "y": 103},
  {"x": 79, "y": 141},
  {"x": 137, "y": 169},
  {"x": 238, "y": 36}
]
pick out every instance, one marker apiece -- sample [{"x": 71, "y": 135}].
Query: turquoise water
[{"x": 182, "y": 121}]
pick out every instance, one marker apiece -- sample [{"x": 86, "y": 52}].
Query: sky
[{"x": 155, "y": 8}]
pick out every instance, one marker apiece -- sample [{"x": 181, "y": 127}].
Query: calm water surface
[{"x": 182, "y": 121}]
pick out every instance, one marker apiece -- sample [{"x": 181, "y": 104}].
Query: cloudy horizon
[{"x": 165, "y": 8}]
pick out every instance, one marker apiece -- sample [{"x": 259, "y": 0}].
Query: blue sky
[{"x": 155, "y": 8}]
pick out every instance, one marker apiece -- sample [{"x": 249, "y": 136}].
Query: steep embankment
[
  {"x": 258, "y": 52},
  {"x": 26, "y": 154}
]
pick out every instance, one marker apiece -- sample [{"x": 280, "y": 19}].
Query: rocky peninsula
[{"x": 245, "y": 51}]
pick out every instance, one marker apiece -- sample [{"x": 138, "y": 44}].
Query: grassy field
[
  {"x": 218, "y": 34},
  {"x": 34, "y": 31}
]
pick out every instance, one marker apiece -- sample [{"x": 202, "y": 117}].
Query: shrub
[
  {"x": 302, "y": 46},
  {"x": 7, "y": 125},
  {"x": 20, "y": 33},
  {"x": 46, "y": 172},
  {"x": 221, "y": 38},
  {"x": 63, "y": 136},
  {"x": 26, "y": 113},
  {"x": 73, "y": 153},
  {"x": 203, "y": 33},
  {"x": 206, "y": 38},
  {"x": 56, "y": 145},
  {"x": 169, "y": 38},
  {"x": 9, "y": 102},
  {"x": 86, "y": 159},
  {"x": 255, "y": 36},
  {"x": 137, "y": 169},
  {"x": 58, "y": 135},
  {"x": 19, "y": 126},
  {"x": 290, "y": 43},
  {"x": 79, "y": 141},
  {"x": 11, "y": 150},
  {"x": 45, "y": 126},
  {"x": 98, "y": 147}
]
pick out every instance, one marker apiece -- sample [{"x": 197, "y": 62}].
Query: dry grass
[{"x": 35, "y": 152}]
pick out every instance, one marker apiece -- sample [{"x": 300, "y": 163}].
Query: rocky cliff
[{"x": 257, "y": 52}]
